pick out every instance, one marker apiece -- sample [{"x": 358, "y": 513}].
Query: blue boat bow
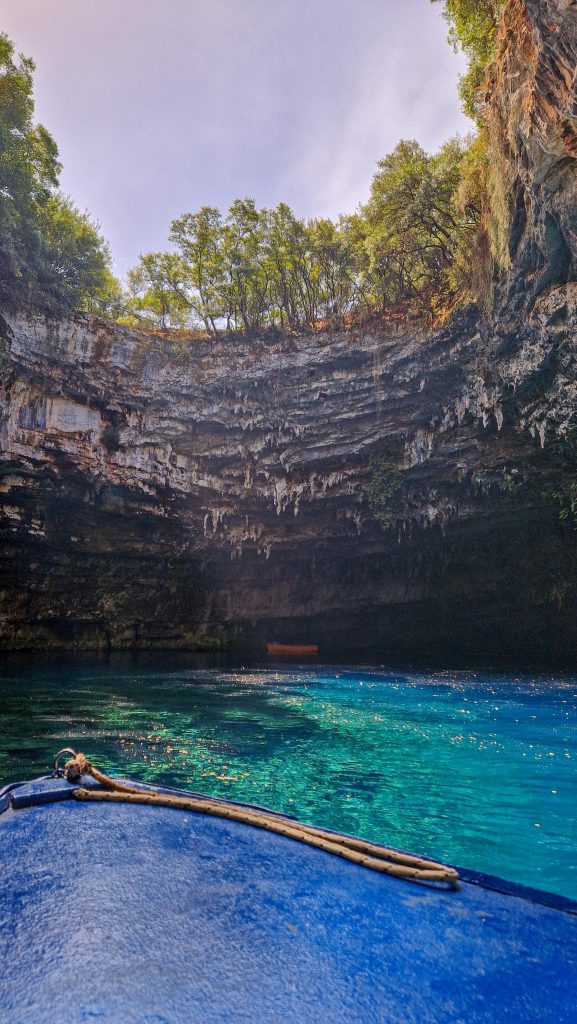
[{"x": 143, "y": 915}]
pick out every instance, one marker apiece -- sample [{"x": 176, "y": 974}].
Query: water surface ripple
[{"x": 477, "y": 769}]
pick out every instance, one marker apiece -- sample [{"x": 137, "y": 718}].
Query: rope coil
[{"x": 358, "y": 851}]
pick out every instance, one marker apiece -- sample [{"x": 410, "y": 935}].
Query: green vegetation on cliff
[
  {"x": 385, "y": 481},
  {"x": 485, "y": 184},
  {"x": 429, "y": 237},
  {"x": 52, "y": 257},
  {"x": 432, "y": 234},
  {"x": 472, "y": 28},
  {"x": 256, "y": 269}
]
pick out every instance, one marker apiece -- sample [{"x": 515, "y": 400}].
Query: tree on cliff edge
[
  {"x": 472, "y": 28},
  {"x": 52, "y": 257}
]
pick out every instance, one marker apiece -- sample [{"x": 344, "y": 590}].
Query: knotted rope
[{"x": 358, "y": 851}]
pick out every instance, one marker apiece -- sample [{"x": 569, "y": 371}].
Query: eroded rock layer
[
  {"x": 376, "y": 490},
  {"x": 361, "y": 489}
]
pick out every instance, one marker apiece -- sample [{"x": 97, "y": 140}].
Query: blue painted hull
[{"x": 146, "y": 915}]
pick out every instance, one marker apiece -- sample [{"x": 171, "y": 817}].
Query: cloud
[{"x": 406, "y": 88}]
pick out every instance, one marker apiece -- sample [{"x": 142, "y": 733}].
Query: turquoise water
[{"x": 477, "y": 769}]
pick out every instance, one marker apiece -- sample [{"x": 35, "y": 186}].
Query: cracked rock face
[
  {"x": 238, "y": 490},
  {"x": 376, "y": 490},
  {"x": 533, "y": 103}
]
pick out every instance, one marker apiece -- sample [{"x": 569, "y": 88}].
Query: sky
[{"x": 163, "y": 106}]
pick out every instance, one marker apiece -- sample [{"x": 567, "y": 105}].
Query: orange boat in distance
[{"x": 302, "y": 649}]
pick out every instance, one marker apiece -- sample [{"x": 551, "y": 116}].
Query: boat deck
[{"x": 146, "y": 915}]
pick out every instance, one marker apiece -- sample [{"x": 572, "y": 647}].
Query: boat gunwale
[{"x": 479, "y": 879}]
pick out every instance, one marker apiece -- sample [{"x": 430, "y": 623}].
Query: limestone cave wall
[{"x": 381, "y": 490}]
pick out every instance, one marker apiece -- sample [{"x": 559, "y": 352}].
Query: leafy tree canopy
[
  {"x": 256, "y": 268},
  {"x": 52, "y": 257},
  {"x": 472, "y": 28}
]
